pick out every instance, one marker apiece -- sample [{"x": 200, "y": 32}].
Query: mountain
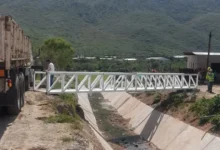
[{"x": 120, "y": 27}]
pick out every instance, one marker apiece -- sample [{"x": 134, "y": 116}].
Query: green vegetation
[
  {"x": 69, "y": 99},
  {"x": 174, "y": 100},
  {"x": 178, "y": 99},
  {"x": 157, "y": 98},
  {"x": 59, "y": 51},
  {"x": 65, "y": 111},
  {"x": 186, "y": 106},
  {"x": 208, "y": 110},
  {"x": 107, "y": 120},
  {"x": 127, "y": 66},
  {"x": 67, "y": 139},
  {"x": 126, "y": 28},
  {"x": 60, "y": 118}
]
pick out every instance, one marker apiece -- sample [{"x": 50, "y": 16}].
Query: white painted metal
[{"x": 87, "y": 82}]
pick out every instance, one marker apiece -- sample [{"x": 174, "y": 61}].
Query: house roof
[
  {"x": 105, "y": 58},
  {"x": 202, "y": 53},
  {"x": 157, "y": 58},
  {"x": 130, "y": 59},
  {"x": 179, "y": 56}
]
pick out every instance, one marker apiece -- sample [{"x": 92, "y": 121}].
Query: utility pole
[{"x": 209, "y": 48}]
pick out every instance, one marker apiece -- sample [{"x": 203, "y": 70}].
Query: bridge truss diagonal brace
[{"x": 87, "y": 82}]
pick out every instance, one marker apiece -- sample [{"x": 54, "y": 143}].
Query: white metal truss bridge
[{"x": 90, "y": 82}]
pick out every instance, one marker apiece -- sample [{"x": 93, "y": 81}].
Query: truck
[{"x": 15, "y": 65}]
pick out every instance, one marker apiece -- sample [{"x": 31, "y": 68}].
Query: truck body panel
[
  {"x": 15, "y": 64},
  {"x": 15, "y": 47}
]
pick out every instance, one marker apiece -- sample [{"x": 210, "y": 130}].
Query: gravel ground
[{"x": 28, "y": 131}]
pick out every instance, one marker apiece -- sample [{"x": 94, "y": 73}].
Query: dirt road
[{"x": 27, "y": 131}]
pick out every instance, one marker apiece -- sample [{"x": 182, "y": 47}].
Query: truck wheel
[
  {"x": 14, "y": 110},
  {"x": 22, "y": 87}
]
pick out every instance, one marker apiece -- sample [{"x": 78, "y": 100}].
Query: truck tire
[
  {"x": 14, "y": 110},
  {"x": 22, "y": 87}
]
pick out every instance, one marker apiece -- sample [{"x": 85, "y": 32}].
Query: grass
[
  {"x": 60, "y": 118},
  {"x": 184, "y": 105},
  {"x": 66, "y": 111},
  {"x": 208, "y": 110},
  {"x": 38, "y": 76},
  {"x": 77, "y": 125},
  {"x": 157, "y": 98},
  {"x": 178, "y": 99},
  {"x": 69, "y": 99},
  {"x": 174, "y": 101},
  {"x": 67, "y": 139}
]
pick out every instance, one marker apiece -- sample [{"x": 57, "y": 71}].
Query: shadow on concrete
[
  {"x": 152, "y": 124},
  {"x": 5, "y": 121},
  {"x": 156, "y": 116},
  {"x": 150, "y": 128}
]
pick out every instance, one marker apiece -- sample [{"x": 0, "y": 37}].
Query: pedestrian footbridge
[{"x": 90, "y": 82}]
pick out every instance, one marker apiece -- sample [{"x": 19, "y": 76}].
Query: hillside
[{"x": 125, "y": 27}]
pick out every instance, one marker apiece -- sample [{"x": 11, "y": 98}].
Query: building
[
  {"x": 130, "y": 59},
  {"x": 157, "y": 58},
  {"x": 196, "y": 60},
  {"x": 106, "y": 58},
  {"x": 179, "y": 57}
]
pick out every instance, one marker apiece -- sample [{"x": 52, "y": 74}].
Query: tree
[{"x": 59, "y": 51}]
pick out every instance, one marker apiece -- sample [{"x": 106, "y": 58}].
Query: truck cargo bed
[{"x": 15, "y": 47}]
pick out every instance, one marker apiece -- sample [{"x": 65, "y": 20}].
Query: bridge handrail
[
  {"x": 74, "y": 82},
  {"x": 109, "y": 73},
  {"x": 39, "y": 72}
]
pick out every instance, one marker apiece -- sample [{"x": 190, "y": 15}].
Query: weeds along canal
[{"x": 115, "y": 129}]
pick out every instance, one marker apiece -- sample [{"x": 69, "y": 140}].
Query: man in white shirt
[{"x": 50, "y": 68}]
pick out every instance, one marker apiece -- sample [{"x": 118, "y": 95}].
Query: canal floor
[{"x": 115, "y": 129}]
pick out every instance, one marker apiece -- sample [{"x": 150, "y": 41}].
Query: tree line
[{"x": 61, "y": 53}]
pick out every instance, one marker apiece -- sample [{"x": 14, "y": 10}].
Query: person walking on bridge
[
  {"x": 210, "y": 79},
  {"x": 50, "y": 68}
]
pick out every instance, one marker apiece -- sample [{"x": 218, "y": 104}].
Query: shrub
[
  {"x": 66, "y": 111},
  {"x": 201, "y": 107},
  {"x": 208, "y": 110},
  {"x": 178, "y": 99},
  {"x": 157, "y": 98}
]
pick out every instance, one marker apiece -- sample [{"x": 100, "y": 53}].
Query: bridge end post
[
  {"x": 197, "y": 81},
  {"x": 47, "y": 82},
  {"x": 34, "y": 82}
]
